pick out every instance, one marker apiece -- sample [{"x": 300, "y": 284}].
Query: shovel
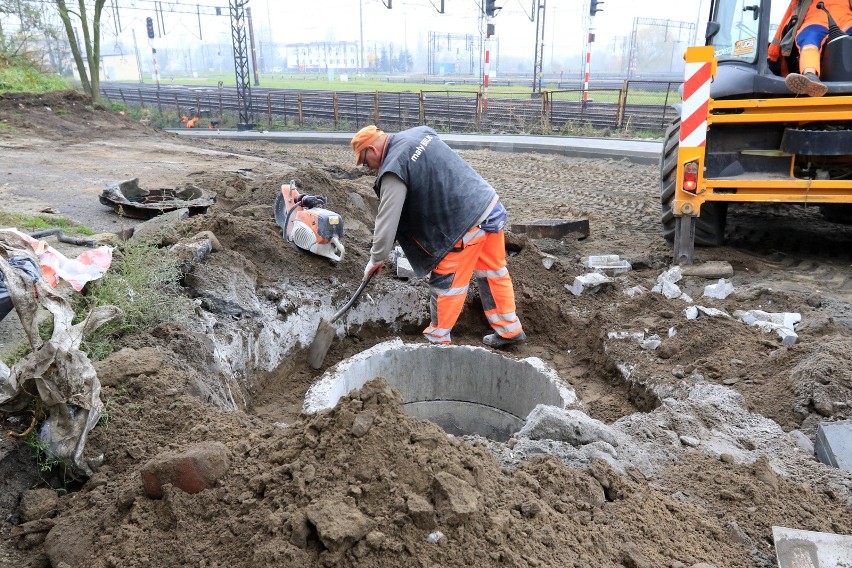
[{"x": 326, "y": 332}]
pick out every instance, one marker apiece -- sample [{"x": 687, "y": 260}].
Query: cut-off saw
[{"x": 307, "y": 224}]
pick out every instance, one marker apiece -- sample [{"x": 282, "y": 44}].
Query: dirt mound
[
  {"x": 63, "y": 115},
  {"x": 364, "y": 484}
]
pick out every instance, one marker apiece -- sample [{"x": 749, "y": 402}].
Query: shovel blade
[{"x": 321, "y": 344}]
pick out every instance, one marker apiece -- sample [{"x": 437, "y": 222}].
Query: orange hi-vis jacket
[
  {"x": 799, "y": 15},
  {"x": 839, "y": 9}
]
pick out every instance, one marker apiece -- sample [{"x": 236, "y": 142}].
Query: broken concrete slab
[
  {"x": 834, "y": 444},
  {"x": 403, "y": 266},
  {"x": 591, "y": 283},
  {"x": 609, "y": 264},
  {"x": 634, "y": 335},
  {"x": 796, "y": 548},
  {"x": 572, "y": 426},
  {"x": 650, "y": 343},
  {"x": 720, "y": 290},
  {"x": 693, "y": 312},
  {"x": 783, "y": 323},
  {"x": 667, "y": 284},
  {"x": 553, "y": 228},
  {"x": 547, "y": 260},
  {"x": 635, "y": 291}
]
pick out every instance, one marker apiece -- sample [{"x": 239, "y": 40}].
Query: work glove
[{"x": 373, "y": 268}]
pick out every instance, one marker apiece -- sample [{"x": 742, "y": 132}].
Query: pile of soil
[{"x": 364, "y": 484}]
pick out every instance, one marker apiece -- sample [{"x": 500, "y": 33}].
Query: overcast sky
[{"x": 409, "y": 21}]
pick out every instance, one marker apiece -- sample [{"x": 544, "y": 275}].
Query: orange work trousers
[{"x": 481, "y": 255}]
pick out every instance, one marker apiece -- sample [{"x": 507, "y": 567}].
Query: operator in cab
[{"x": 805, "y": 25}]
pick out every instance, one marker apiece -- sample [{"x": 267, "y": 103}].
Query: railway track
[{"x": 449, "y": 110}]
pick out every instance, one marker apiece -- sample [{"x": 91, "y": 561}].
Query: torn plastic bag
[
  {"x": 25, "y": 265},
  {"x": 61, "y": 374}
]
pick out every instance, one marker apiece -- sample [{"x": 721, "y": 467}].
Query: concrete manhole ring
[{"x": 464, "y": 389}]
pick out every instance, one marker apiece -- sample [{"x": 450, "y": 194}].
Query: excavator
[{"x": 743, "y": 137}]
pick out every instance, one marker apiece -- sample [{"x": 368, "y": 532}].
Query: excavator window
[{"x": 737, "y": 36}]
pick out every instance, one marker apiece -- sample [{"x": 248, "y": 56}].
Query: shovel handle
[{"x": 354, "y": 297}]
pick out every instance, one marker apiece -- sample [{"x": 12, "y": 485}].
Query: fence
[{"x": 636, "y": 106}]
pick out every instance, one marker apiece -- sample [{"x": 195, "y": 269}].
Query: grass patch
[
  {"x": 144, "y": 282},
  {"x": 20, "y": 76},
  {"x": 45, "y": 460},
  {"x": 33, "y": 223}
]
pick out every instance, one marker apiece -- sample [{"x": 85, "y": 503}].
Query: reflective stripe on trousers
[{"x": 483, "y": 256}]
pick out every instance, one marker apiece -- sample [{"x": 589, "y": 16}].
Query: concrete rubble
[
  {"x": 403, "y": 266},
  {"x": 783, "y": 323},
  {"x": 721, "y": 290},
  {"x": 609, "y": 264},
  {"x": 693, "y": 312},
  {"x": 667, "y": 284},
  {"x": 591, "y": 283}
]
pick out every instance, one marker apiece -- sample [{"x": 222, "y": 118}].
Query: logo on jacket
[{"x": 421, "y": 147}]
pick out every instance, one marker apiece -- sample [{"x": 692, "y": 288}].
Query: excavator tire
[
  {"x": 710, "y": 225},
  {"x": 837, "y": 213}
]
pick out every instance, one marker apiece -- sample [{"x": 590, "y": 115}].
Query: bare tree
[
  {"x": 27, "y": 21},
  {"x": 89, "y": 76}
]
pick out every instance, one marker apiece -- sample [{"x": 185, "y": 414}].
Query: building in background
[{"x": 322, "y": 56}]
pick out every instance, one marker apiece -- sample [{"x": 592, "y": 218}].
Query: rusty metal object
[{"x": 129, "y": 200}]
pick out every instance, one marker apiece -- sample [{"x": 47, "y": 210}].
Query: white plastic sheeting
[{"x": 63, "y": 376}]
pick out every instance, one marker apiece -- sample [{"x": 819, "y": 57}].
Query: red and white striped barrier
[{"x": 696, "y": 100}]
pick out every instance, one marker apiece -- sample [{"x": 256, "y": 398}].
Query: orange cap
[{"x": 362, "y": 139}]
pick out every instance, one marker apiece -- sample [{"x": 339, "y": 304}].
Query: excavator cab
[{"x": 744, "y": 137}]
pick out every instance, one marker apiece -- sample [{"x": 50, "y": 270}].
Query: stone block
[
  {"x": 421, "y": 511},
  {"x": 710, "y": 269},
  {"x": 339, "y": 526},
  {"x": 591, "y": 283},
  {"x": 834, "y": 444},
  {"x": 609, "y": 264},
  {"x": 192, "y": 470},
  {"x": 455, "y": 500}
]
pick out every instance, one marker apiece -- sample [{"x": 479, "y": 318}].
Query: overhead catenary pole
[
  {"x": 489, "y": 30},
  {"x": 538, "y": 64},
  {"x": 253, "y": 50},
  {"x": 241, "y": 66},
  {"x": 587, "y": 65},
  {"x": 361, "y": 13},
  {"x": 138, "y": 59}
]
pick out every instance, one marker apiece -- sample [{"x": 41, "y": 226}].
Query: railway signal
[
  {"x": 594, "y": 7},
  {"x": 149, "y": 23}
]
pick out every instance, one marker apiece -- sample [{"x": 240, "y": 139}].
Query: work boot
[
  {"x": 494, "y": 340},
  {"x": 806, "y": 84}
]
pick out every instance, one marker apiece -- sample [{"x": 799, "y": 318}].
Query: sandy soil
[{"x": 313, "y": 493}]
